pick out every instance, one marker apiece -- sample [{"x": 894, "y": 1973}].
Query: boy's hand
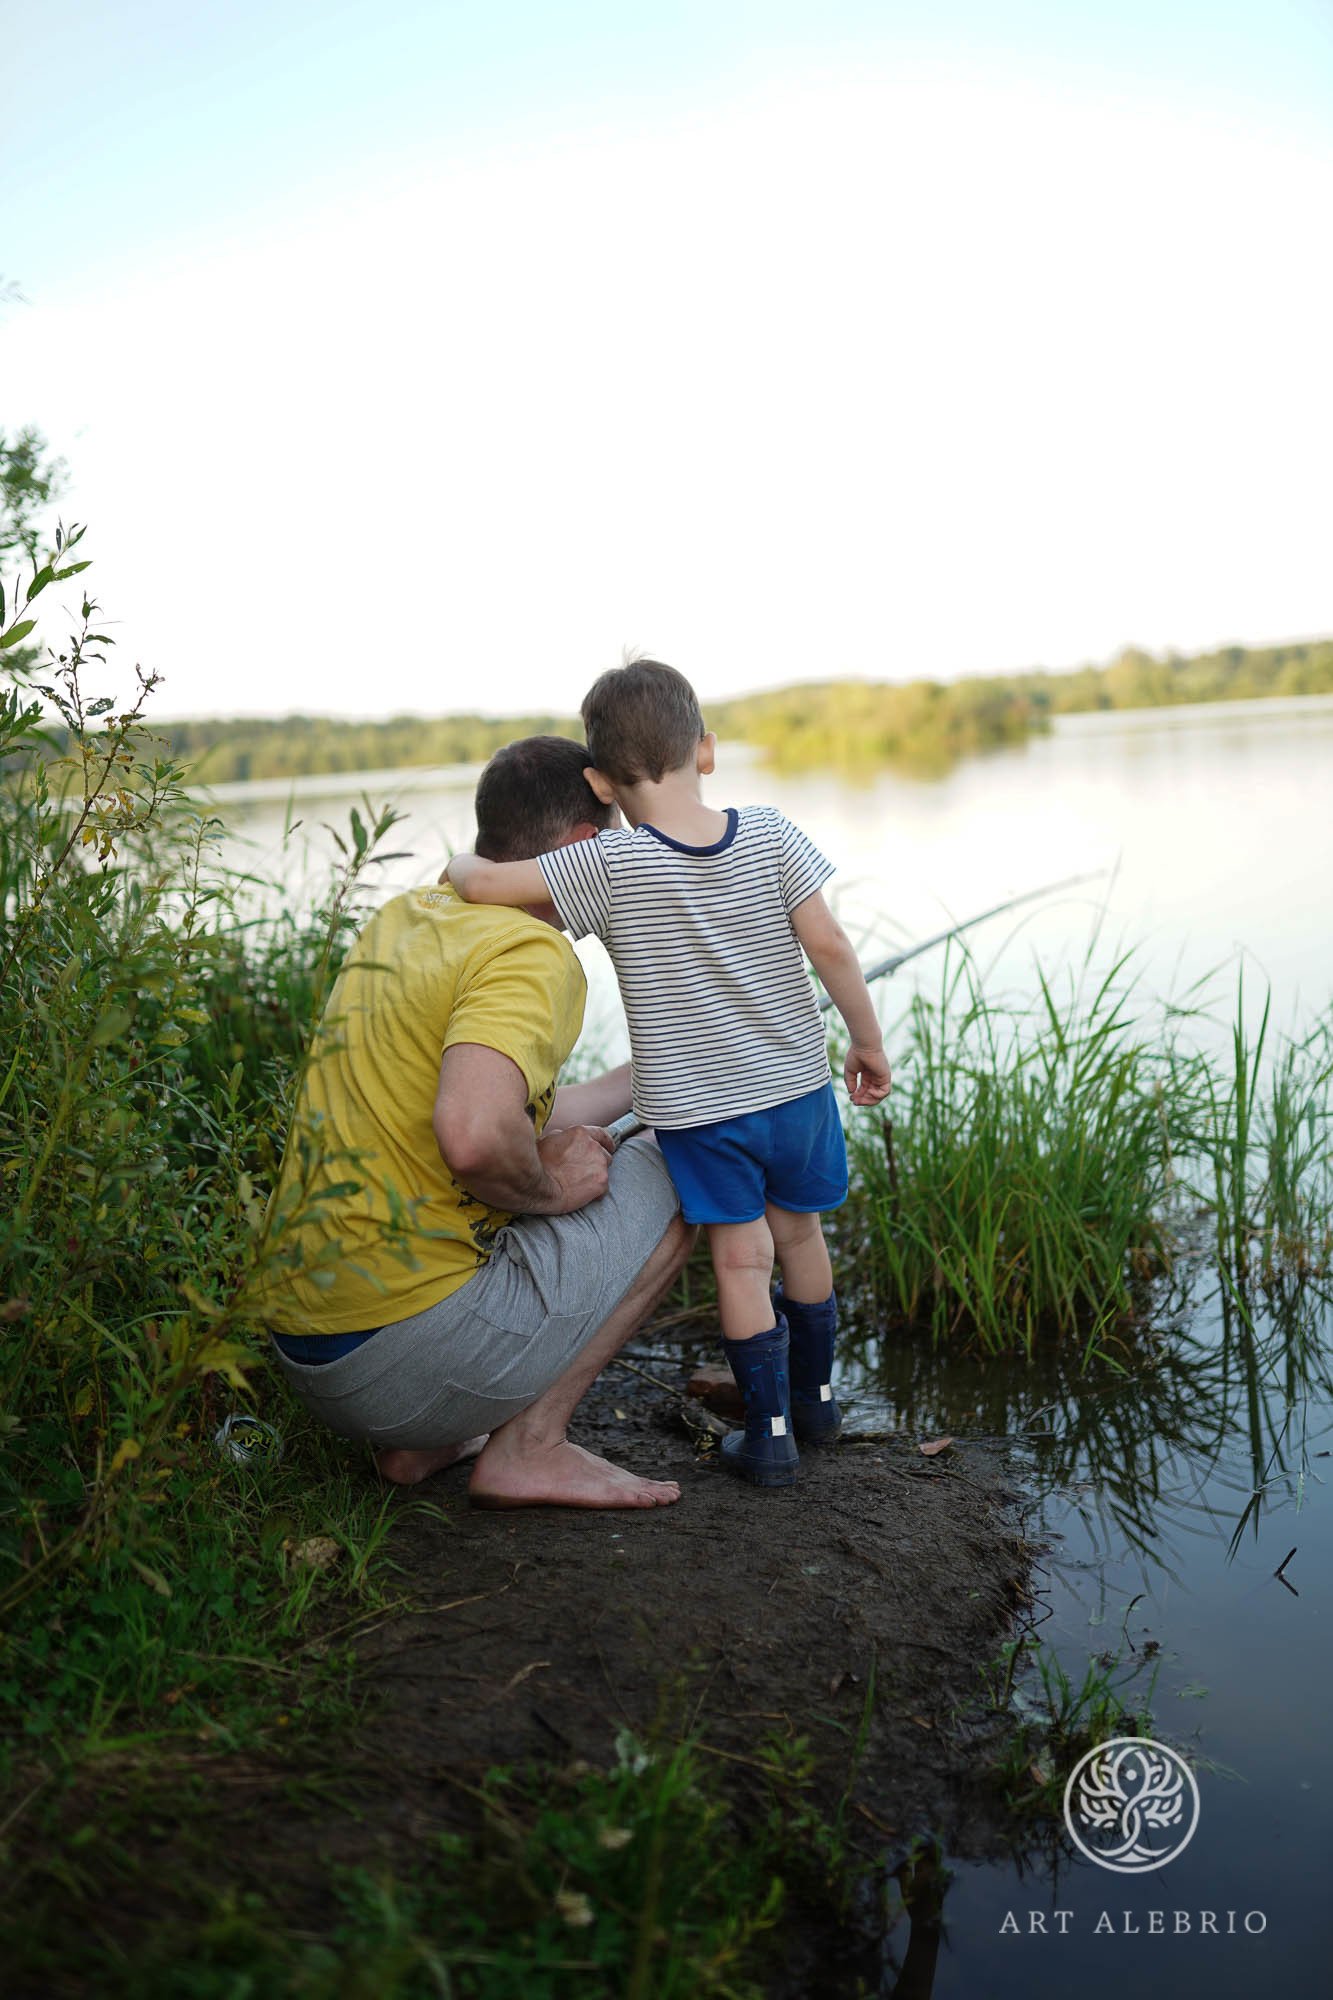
[{"x": 867, "y": 1073}]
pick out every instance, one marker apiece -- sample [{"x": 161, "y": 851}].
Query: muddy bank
[
  {"x": 735, "y": 1615},
  {"x": 854, "y": 1611}
]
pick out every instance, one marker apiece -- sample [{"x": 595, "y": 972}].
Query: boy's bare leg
[
  {"x": 529, "y": 1462},
  {"x": 743, "y": 1266},
  {"x": 802, "y": 1253}
]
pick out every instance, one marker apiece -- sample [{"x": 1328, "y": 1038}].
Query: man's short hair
[
  {"x": 642, "y": 720},
  {"x": 530, "y": 796}
]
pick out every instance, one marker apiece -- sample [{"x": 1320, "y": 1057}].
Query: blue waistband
[{"x": 316, "y": 1348}]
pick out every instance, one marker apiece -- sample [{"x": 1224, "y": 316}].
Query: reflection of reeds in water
[{"x": 1234, "y": 1402}]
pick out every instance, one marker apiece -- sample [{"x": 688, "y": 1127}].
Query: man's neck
[{"x": 545, "y": 913}]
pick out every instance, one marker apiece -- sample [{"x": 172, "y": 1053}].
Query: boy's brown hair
[{"x": 641, "y": 721}]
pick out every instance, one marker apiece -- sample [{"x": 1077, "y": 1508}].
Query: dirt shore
[
  {"x": 762, "y": 1612},
  {"x": 855, "y": 1610}
]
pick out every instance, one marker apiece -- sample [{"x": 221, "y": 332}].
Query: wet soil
[
  {"x": 856, "y": 1610},
  {"x": 737, "y": 1615}
]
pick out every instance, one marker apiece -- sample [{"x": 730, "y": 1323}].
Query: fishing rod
[
  {"x": 891, "y": 965},
  {"x": 625, "y": 1128}
]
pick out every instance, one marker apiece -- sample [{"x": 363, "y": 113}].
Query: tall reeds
[
  {"x": 1258, "y": 1150},
  {"x": 148, "y": 1046},
  {"x": 1039, "y": 1161}
]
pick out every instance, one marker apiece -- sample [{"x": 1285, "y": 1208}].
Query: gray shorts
[{"x": 483, "y": 1354}]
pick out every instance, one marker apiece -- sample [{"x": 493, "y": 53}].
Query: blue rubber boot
[
  {"x": 816, "y": 1418},
  {"x": 765, "y": 1451}
]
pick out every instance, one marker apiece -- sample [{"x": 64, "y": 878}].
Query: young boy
[{"x": 705, "y": 916}]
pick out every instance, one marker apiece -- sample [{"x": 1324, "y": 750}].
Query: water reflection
[
  {"x": 923, "y": 1882},
  {"x": 1221, "y": 1415},
  {"x": 1158, "y": 1479}
]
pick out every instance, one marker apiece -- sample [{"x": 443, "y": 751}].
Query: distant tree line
[
  {"x": 296, "y": 746},
  {"x": 920, "y": 726},
  {"x": 927, "y": 726}
]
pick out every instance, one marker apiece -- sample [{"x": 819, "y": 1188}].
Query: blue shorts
[{"x": 792, "y": 1155}]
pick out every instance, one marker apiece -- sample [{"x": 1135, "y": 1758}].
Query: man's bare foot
[
  {"x": 407, "y": 1468},
  {"x": 561, "y": 1475}
]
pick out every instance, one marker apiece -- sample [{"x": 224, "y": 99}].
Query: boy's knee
[{"x": 742, "y": 1254}]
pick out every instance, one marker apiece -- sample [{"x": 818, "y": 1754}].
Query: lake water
[
  {"x": 1167, "y": 1499},
  {"x": 1210, "y": 831}
]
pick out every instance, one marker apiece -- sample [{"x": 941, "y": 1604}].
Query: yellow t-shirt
[{"x": 369, "y": 1225}]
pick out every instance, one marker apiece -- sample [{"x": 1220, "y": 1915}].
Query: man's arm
[
  {"x": 829, "y": 949},
  {"x": 513, "y": 883},
  {"x": 487, "y": 1141},
  {"x": 598, "y": 1102}
]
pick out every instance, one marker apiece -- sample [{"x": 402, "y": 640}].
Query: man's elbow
[{"x": 468, "y": 1146}]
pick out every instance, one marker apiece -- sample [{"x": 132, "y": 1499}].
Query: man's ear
[
  {"x": 706, "y": 755},
  {"x": 601, "y": 784},
  {"x": 582, "y": 830}
]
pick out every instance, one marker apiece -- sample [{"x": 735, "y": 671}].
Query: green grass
[
  {"x": 1039, "y": 1163},
  {"x": 198, "y": 1619},
  {"x": 149, "y": 1047},
  {"x": 1055, "y": 1719},
  {"x": 1260, "y": 1147},
  {"x": 632, "y": 1881},
  {"x": 1019, "y": 1180}
]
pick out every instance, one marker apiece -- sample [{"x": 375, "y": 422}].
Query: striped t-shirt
[{"x": 721, "y": 1011}]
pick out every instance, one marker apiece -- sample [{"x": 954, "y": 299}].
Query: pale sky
[{"x": 424, "y": 357}]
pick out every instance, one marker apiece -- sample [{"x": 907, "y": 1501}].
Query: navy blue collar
[{"x": 718, "y": 846}]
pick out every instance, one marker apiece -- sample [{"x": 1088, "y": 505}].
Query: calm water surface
[
  {"x": 1212, "y": 828},
  {"x": 1167, "y": 1499}
]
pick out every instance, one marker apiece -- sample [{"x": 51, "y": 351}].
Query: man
[{"x": 456, "y": 1251}]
